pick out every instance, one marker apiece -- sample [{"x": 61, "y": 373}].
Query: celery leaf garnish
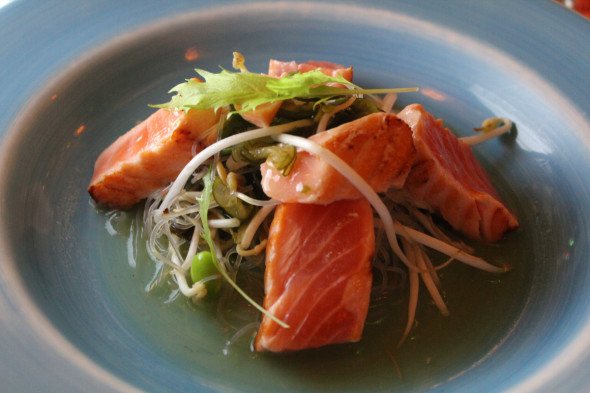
[{"x": 247, "y": 90}]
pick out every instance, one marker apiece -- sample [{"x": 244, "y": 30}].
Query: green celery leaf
[{"x": 247, "y": 90}]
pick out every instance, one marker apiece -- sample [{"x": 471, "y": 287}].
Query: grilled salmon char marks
[
  {"x": 378, "y": 147},
  {"x": 447, "y": 176},
  {"x": 318, "y": 275},
  {"x": 149, "y": 156}
]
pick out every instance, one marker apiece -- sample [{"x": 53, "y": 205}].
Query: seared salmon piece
[
  {"x": 448, "y": 177},
  {"x": 149, "y": 156},
  {"x": 378, "y": 146},
  {"x": 318, "y": 275},
  {"x": 264, "y": 114},
  {"x": 279, "y": 68}
]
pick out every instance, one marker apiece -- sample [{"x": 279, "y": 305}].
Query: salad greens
[{"x": 247, "y": 90}]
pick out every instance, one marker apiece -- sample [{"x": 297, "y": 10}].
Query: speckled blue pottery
[{"x": 74, "y": 312}]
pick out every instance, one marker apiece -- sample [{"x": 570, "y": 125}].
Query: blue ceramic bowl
[{"x": 74, "y": 313}]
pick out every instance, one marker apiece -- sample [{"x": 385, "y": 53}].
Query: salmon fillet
[
  {"x": 264, "y": 114},
  {"x": 318, "y": 275},
  {"x": 378, "y": 146},
  {"x": 149, "y": 156},
  {"x": 447, "y": 177},
  {"x": 279, "y": 68}
]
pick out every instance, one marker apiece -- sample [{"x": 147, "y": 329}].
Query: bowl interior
[{"x": 93, "y": 290}]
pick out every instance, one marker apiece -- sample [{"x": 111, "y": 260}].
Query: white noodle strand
[
  {"x": 215, "y": 148},
  {"x": 413, "y": 300},
  {"x": 448, "y": 249},
  {"x": 323, "y": 124},
  {"x": 254, "y": 224},
  {"x": 256, "y": 202},
  {"x": 484, "y": 136}
]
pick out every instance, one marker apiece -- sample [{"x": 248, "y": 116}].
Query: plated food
[{"x": 297, "y": 173}]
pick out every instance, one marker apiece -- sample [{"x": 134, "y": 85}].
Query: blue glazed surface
[{"x": 73, "y": 313}]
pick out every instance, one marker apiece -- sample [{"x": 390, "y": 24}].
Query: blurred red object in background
[{"x": 581, "y": 6}]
